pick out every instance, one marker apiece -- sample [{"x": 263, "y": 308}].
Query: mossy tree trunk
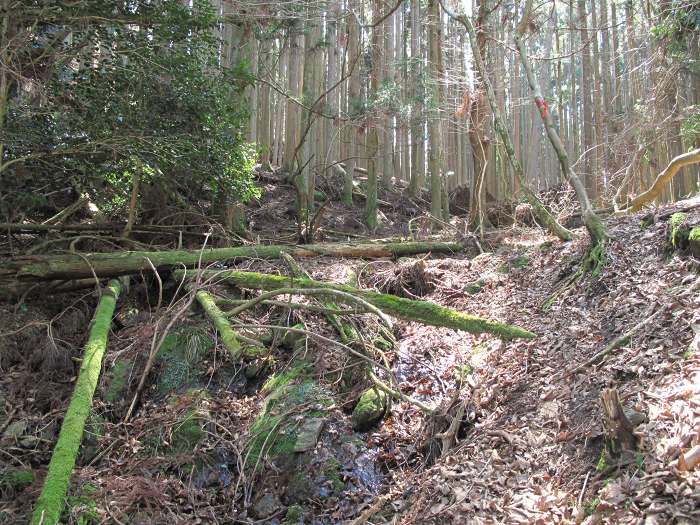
[
  {"x": 122, "y": 263},
  {"x": 222, "y": 325},
  {"x": 421, "y": 311},
  {"x": 50, "y": 504}
]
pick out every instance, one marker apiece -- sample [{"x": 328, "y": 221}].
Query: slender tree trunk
[
  {"x": 573, "y": 102},
  {"x": 294, "y": 75},
  {"x": 478, "y": 134},
  {"x": 599, "y": 140},
  {"x": 373, "y": 120},
  {"x": 354, "y": 102},
  {"x": 434, "y": 129},
  {"x": 543, "y": 215},
  {"x": 587, "y": 101},
  {"x": 417, "y": 167},
  {"x": 594, "y": 225}
]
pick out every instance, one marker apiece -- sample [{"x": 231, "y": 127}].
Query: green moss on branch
[
  {"x": 123, "y": 263},
  {"x": 52, "y": 499},
  {"x": 412, "y": 310},
  {"x": 228, "y": 335}
]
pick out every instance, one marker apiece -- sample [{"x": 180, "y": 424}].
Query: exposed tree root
[{"x": 591, "y": 264}]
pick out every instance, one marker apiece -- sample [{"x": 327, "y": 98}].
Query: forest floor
[{"x": 531, "y": 444}]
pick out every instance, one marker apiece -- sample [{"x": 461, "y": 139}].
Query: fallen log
[
  {"x": 50, "y": 504},
  {"x": 228, "y": 336},
  {"x": 15, "y": 289},
  {"x": 411, "y": 310},
  {"x": 79, "y": 265}
]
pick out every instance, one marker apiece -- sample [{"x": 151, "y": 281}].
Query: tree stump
[{"x": 616, "y": 425}]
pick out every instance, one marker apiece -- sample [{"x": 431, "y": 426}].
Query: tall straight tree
[
  {"x": 372, "y": 118},
  {"x": 587, "y": 100},
  {"x": 435, "y": 156}
]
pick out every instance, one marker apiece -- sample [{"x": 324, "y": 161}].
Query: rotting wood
[
  {"x": 411, "y": 310},
  {"x": 79, "y": 265},
  {"x": 618, "y": 428},
  {"x": 53, "y": 494}
]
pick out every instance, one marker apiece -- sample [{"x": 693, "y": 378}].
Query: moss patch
[
  {"x": 370, "y": 409},
  {"x": 292, "y": 396},
  {"x": 16, "y": 480},
  {"x": 179, "y": 356},
  {"x": 516, "y": 263},
  {"x": 679, "y": 230},
  {"x": 332, "y": 471},
  {"x": 117, "y": 379},
  {"x": 294, "y": 515},
  {"x": 83, "y": 507},
  {"x": 475, "y": 287},
  {"x": 186, "y": 430}
]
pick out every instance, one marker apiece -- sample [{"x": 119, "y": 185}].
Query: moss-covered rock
[
  {"x": 694, "y": 241},
  {"x": 293, "y": 399},
  {"x": 370, "y": 409},
  {"x": 678, "y": 232},
  {"x": 179, "y": 356}
]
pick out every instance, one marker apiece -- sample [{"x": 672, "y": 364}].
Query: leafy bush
[{"x": 118, "y": 88}]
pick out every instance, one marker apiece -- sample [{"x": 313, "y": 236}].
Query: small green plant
[
  {"x": 294, "y": 515},
  {"x": 83, "y": 508},
  {"x": 589, "y": 507},
  {"x": 602, "y": 464},
  {"x": 16, "y": 480}
]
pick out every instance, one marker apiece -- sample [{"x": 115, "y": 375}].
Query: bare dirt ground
[{"x": 531, "y": 447}]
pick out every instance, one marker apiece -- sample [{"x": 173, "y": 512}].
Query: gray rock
[
  {"x": 308, "y": 434},
  {"x": 267, "y": 505}
]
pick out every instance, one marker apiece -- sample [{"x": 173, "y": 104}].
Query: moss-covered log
[
  {"x": 53, "y": 494},
  {"x": 75, "y": 266},
  {"x": 228, "y": 335},
  {"x": 421, "y": 311}
]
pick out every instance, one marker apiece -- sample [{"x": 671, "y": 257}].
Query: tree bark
[
  {"x": 478, "y": 126},
  {"x": 434, "y": 132},
  {"x": 373, "y": 121},
  {"x": 411, "y": 310}
]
